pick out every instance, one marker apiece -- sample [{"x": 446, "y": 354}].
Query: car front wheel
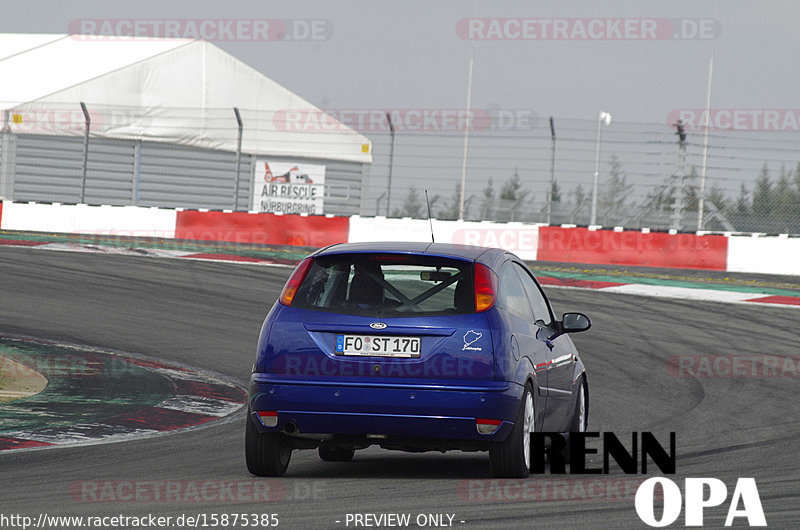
[
  {"x": 512, "y": 457},
  {"x": 580, "y": 417}
]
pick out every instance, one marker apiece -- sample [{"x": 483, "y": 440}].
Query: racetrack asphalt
[{"x": 208, "y": 315}]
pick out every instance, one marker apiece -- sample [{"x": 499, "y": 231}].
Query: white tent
[{"x": 171, "y": 90}]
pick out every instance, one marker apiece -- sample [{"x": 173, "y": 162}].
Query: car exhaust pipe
[{"x": 290, "y": 428}]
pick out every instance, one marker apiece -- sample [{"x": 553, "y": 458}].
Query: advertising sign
[{"x": 288, "y": 187}]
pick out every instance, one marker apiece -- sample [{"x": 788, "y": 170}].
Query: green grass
[{"x": 4, "y": 380}]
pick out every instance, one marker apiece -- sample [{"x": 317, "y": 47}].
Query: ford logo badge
[{"x": 378, "y": 325}]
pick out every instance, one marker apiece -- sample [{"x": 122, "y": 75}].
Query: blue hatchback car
[{"x": 416, "y": 347}]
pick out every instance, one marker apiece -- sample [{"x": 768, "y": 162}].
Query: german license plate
[{"x": 377, "y": 346}]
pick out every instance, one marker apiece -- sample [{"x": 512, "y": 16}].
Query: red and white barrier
[
  {"x": 234, "y": 227},
  {"x": 735, "y": 253}
]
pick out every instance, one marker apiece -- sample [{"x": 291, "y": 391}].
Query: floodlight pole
[
  {"x": 466, "y": 137},
  {"x": 679, "y": 183},
  {"x": 88, "y": 121},
  {"x": 600, "y": 118},
  {"x": 552, "y": 171},
  {"x": 391, "y": 164},
  {"x": 701, "y": 195},
  {"x": 238, "y": 157}
]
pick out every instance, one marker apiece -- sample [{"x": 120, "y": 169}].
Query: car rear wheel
[
  {"x": 336, "y": 454},
  {"x": 512, "y": 457},
  {"x": 267, "y": 454}
]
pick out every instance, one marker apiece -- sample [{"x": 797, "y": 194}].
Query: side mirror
[{"x": 575, "y": 322}]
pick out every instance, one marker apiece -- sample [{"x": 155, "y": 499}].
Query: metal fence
[
  {"x": 514, "y": 166},
  {"x": 646, "y": 177},
  {"x": 56, "y": 157}
]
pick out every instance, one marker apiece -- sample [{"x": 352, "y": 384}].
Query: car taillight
[
  {"x": 293, "y": 284},
  {"x": 487, "y": 426},
  {"x": 485, "y": 288},
  {"x": 268, "y": 417}
]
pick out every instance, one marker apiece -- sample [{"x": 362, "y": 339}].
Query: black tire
[
  {"x": 511, "y": 458},
  {"x": 336, "y": 454},
  {"x": 267, "y": 454},
  {"x": 576, "y": 425}
]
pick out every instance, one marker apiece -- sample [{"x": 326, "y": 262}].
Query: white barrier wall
[
  {"x": 84, "y": 219},
  {"x": 521, "y": 239},
  {"x": 769, "y": 255}
]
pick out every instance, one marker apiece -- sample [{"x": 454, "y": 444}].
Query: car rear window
[{"x": 387, "y": 285}]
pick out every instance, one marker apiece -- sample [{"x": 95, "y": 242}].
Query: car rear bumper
[{"x": 438, "y": 411}]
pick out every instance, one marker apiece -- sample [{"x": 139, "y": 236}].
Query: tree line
[{"x": 773, "y": 205}]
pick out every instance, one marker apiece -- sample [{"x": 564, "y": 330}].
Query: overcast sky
[
  {"x": 413, "y": 54},
  {"x": 410, "y": 54}
]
